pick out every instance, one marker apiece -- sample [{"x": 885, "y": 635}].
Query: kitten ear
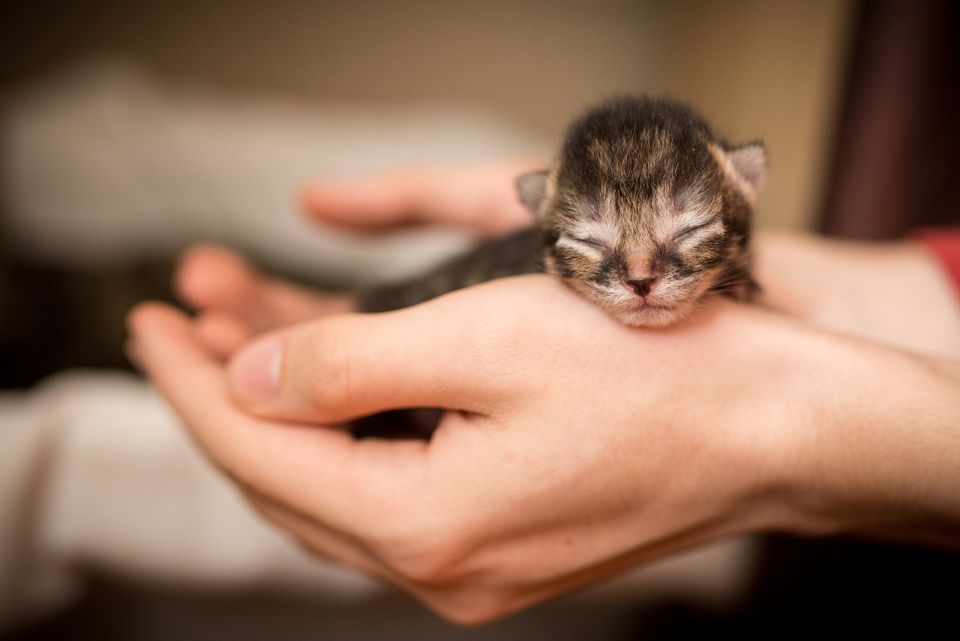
[
  {"x": 532, "y": 188},
  {"x": 750, "y": 162}
]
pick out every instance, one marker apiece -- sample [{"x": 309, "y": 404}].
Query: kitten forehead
[{"x": 629, "y": 158}]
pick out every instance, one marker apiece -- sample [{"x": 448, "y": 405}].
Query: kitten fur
[{"x": 644, "y": 211}]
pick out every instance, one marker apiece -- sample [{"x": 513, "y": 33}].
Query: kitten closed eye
[
  {"x": 590, "y": 242},
  {"x": 689, "y": 231}
]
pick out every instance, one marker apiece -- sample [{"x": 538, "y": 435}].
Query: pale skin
[{"x": 575, "y": 447}]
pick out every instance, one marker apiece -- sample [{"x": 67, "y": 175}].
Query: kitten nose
[{"x": 642, "y": 286}]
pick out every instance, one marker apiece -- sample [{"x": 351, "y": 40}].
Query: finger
[
  {"x": 479, "y": 197},
  {"x": 371, "y": 205},
  {"x": 318, "y": 539},
  {"x": 215, "y": 278},
  {"x": 221, "y": 334},
  {"x": 439, "y": 354},
  {"x": 335, "y": 546},
  {"x": 320, "y": 471}
]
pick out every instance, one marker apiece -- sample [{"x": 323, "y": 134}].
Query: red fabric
[{"x": 945, "y": 245}]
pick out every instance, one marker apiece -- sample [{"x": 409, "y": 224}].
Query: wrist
[
  {"x": 866, "y": 289},
  {"x": 873, "y": 447}
]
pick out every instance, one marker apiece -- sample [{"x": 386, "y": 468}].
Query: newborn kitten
[{"x": 643, "y": 212}]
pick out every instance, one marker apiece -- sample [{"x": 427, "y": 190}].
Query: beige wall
[{"x": 756, "y": 68}]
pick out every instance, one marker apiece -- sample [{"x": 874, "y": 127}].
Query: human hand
[
  {"x": 890, "y": 292},
  {"x": 250, "y": 314},
  {"x": 235, "y": 302},
  {"x": 480, "y": 197},
  {"x": 574, "y": 447},
  {"x": 441, "y": 519}
]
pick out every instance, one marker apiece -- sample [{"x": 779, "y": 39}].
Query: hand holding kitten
[
  {"x": 538, "y": 490},
  {"x": 529, "y": 489}
]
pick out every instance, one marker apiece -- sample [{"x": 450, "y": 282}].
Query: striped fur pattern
[{"x": 643, "y": 212}]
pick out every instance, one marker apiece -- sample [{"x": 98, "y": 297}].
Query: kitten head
[{"x": 645, "y": 211}]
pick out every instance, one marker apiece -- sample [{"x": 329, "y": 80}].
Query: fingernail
[{"x": 255, "y": 372}]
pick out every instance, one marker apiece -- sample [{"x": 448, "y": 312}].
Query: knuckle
[
  {"x": 427, "y": 563},
  {"x": 332, "y": 363},
  {"x": 428, "y": 555},
  {"x": 471, "y": 608}
]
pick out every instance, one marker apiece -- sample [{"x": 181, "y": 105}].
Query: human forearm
[
  {"x": 894, "y": 292},
  {"x": 876, "y": 452}
]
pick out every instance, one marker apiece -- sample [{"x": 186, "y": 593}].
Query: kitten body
[{"x": 644, "y": 211}]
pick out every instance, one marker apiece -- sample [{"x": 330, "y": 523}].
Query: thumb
[{"x": 343, "y": 367}]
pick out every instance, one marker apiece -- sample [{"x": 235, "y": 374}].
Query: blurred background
[{"x": 130, "y": 130}]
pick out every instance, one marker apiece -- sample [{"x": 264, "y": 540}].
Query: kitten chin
[
  {"x": 637, "y": 312},
  {"x": 649, "y": 316}
]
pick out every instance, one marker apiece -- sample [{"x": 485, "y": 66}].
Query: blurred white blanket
[{"x": 96, "y": 473}]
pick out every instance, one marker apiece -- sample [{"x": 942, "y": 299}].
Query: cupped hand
[
  {"x": 572, "y": 448},
  {"x": 236, "y": 302}
]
